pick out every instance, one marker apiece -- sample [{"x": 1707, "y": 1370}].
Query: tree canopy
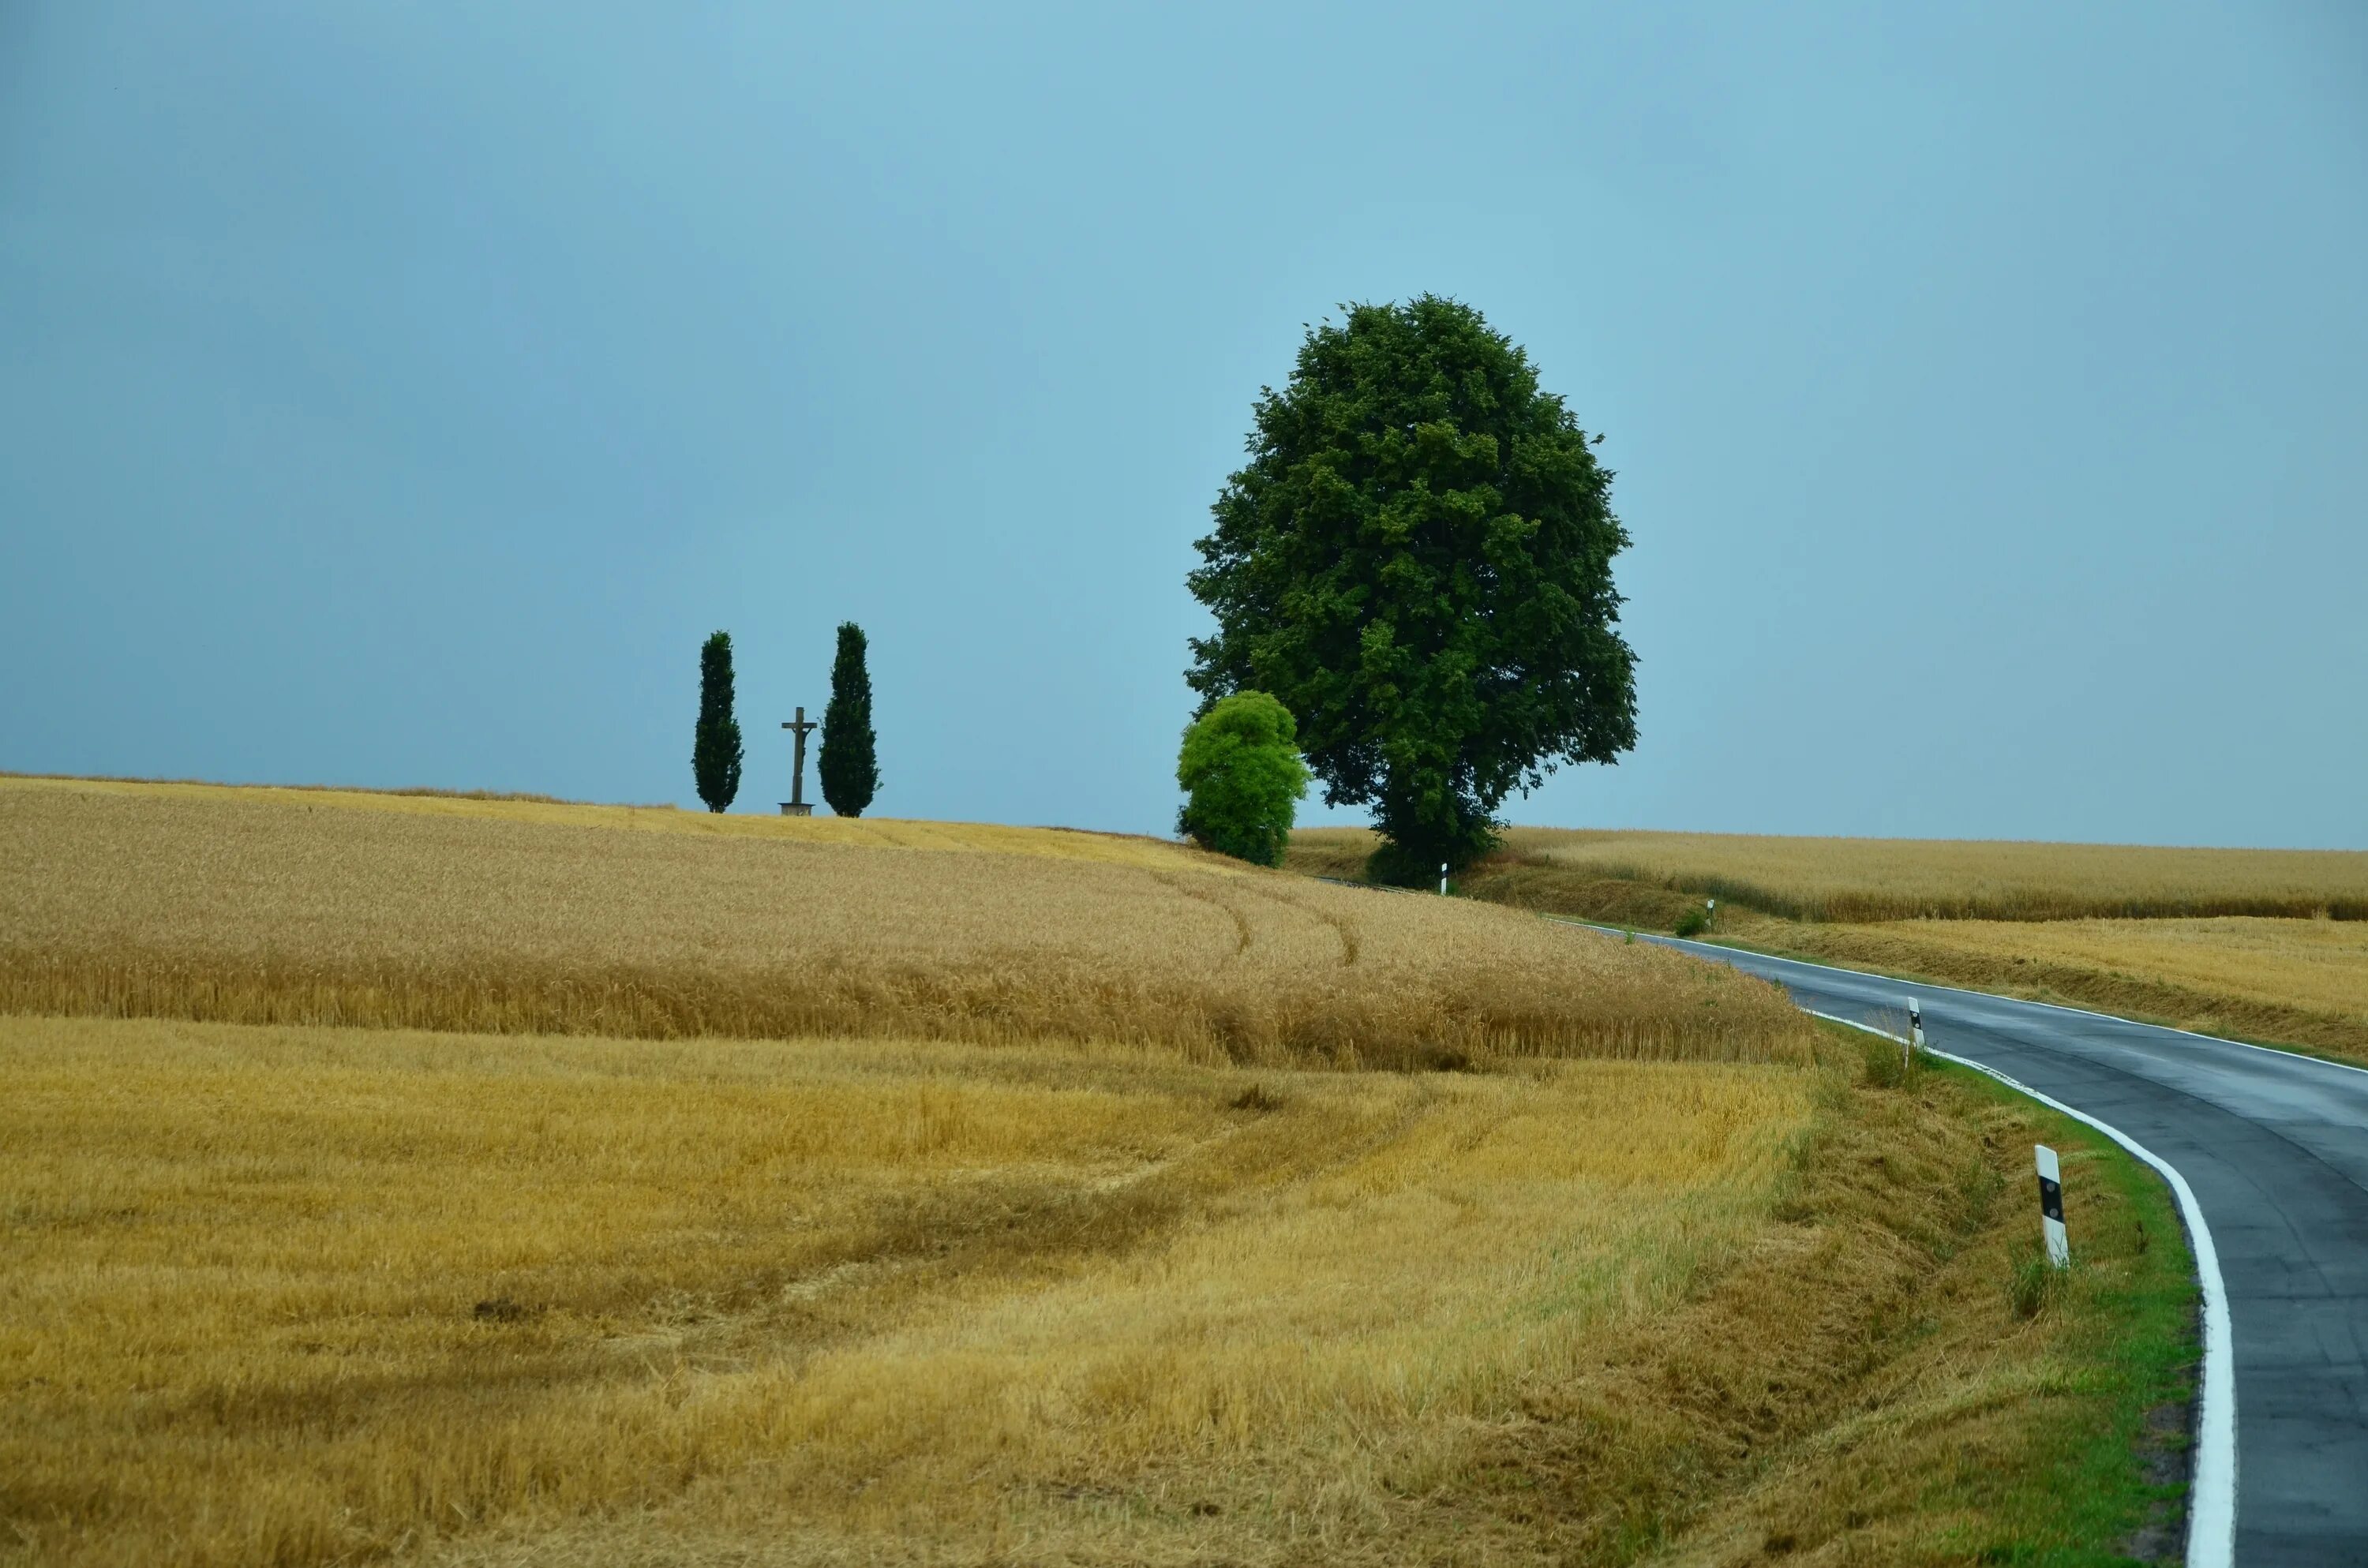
[
  {"x": 1242, "y": 775},
  {"x": 1417, "y": 562}
]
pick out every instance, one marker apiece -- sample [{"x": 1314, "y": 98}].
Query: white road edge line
[{"x": 2212, "y": 1496}]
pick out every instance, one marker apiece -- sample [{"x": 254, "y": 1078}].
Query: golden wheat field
[
  {"x": 292, "y": 1296},
  {"x": 1860, "y": 880},
  {"x": 391, "y": 1178},
  {"x": 281, "y": 907},
  {"x": 478, "y": 805},
  {"x": 284, "y": 1296}
]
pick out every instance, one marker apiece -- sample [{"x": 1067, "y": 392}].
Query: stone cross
[{"x": 796, "y": 806}]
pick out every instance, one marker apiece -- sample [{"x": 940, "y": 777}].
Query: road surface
[{"x": 2275, "y": 1149}]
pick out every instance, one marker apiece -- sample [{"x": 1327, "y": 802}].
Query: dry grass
[
  {"x": 281, "y": 1296},
  {"x": 403, "y": 912},
  {"x": 1858, "y": 880}
]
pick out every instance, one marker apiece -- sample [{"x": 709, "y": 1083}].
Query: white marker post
[
  {"x": 1915, "y": 1025},
  {"x": 2051, "y": 1207},
  {"x": 1443, "y": 879}
]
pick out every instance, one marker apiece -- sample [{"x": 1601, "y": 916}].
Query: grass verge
[{"x": 1988, "y": 1423}]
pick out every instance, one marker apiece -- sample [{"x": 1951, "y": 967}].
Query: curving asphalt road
[{"x": 2274, "y": 1147}]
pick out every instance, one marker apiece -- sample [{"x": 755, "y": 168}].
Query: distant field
[
  {"x": 280, "y": 906},
  {"x": 301, "y": 1296},
  {"x": 1862, "y": 879},
  {"x": 450, "y": 806},
  {"x": 2297, "y": 982},
  {"x": 2030, "y": 919}
]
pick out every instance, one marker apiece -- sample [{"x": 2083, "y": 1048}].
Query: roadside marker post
[
  {"x": 1443, "y": 879},
  {"x": 2051, "y": 1207}
]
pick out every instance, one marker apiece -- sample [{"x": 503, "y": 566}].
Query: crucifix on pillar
[{"x": 796, "y": 806}]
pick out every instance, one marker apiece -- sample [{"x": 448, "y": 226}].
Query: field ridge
[{"x": 475, "y": 917}]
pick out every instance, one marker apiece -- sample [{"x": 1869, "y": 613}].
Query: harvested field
[
  {"x": 290, "y": 1295},
  {"x": 262, "y": 906},
  {"x": 1862, "y": 879},
  {"x": 298, "y": 1296}
]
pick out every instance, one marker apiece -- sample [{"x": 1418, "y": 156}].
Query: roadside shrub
[
  {"x": 1243, "y": 777},
  {"x": 1693, "y": 923},
  {"x": 1395, "y": 867}
]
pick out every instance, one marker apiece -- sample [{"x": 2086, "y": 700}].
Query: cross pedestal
[{"x": 797, "y": 805}]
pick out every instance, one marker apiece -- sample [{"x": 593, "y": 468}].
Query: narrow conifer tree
[
  {"x": 715, "y": 746},
  {"x": 850, "y": 767}
]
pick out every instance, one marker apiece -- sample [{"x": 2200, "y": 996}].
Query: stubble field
[
  {"x": 394, "y": 1287},
  {"x": 297, "y": 1297}
]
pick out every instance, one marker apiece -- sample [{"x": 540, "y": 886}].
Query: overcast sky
[{"x": 399, "y": 393}]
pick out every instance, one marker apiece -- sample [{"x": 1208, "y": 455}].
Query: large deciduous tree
[
  {"x": 1417, "y": 560},
  {"x": 715, "y": 745},
  {"x": 849, "y": 765}
]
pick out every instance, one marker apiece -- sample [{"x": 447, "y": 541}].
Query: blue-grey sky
[{"x": 398, "y": 393}]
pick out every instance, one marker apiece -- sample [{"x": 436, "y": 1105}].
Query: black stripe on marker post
[{"x": 2051, "y": 1200}]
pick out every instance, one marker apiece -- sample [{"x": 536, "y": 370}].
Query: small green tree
[
  {"x": 849, "y": 765},
  {"x": 715, "y": 746},
  {"x": 1243, "y": 777}
]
